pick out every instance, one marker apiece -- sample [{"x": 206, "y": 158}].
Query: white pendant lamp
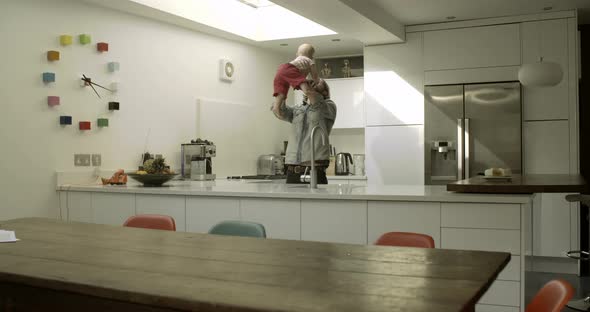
[{"x": 540, "y": 74}]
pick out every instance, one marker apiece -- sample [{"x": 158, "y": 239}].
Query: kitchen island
[{"x": 339, "y": 213}]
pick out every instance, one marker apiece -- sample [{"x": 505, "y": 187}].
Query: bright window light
[
  {"x": 257, "y": 3},
  {"x": 258, "y": 20}
]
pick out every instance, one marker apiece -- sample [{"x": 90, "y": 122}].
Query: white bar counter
[{"x": 278, "y": 189}]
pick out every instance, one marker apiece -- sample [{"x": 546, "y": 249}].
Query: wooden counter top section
[
  {"x": 73, "y": 266},
  {"x": 522, "y": 184}
]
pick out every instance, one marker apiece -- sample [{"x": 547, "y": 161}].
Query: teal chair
[{"x": 239, "y": 228}]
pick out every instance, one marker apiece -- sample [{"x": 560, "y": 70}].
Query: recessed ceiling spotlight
[
  {"x": 548, "y": 8},
  {"x": 336, "y": 40},
  {"x": 284, "y": 44},
  {"x": 451, "y": 17}
]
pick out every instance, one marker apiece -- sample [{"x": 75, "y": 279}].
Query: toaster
[{"x": 269, "y": 165}]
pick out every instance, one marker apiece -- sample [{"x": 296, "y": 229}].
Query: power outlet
[
  {"x": 96, "y": 160},
  {"x": 82, "y": 160}
]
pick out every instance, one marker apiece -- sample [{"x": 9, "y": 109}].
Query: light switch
[
  {"x": 96, "y": 160},
  {"x": 81, "y": 160}
]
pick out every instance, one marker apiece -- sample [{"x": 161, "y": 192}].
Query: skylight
[
  {"x": 258, "y": 20},
  {"x": 257, "y": 3}
]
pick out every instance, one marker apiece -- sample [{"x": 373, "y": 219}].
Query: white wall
[
  {"x": 348, "y": 140},
  {"x": 164, "y": 69}
]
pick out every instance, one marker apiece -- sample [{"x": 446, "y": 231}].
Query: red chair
[
  {"x": 552, "y": 297},
  {"x": 151, "y": 221},
  {"x": 405, "y": 239}
]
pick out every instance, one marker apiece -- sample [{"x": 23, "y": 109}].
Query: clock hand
[
  {"x": 96, "y": 84},
  {"x": 89, "y": 82}
]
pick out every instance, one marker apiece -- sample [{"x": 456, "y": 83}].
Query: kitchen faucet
[{"x": 313, "y": 177}]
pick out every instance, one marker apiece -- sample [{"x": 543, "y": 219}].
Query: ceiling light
[
  {"x": 540, "y": 74},
  {"x": 335, "y": 40},
  {"x": 284, "y": 44},
  {"x": 451, "y": 17},
  {"x": 549, "y": 8}
]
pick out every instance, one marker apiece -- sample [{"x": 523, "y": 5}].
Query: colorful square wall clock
[
  {"x": 53, "y": 56},
  {"x": 65, "y": 120},
  {"x": 53, "y": 100},
  {"x": 113, "y": 105},
  {"x": 48, "y": 77},
  {"x": 102, "y": 122},
  {"x": 84, "y": 125},
  {"x": 84, "y": 38},
  {"x": 65, "y": 40},
  {"x": 113, "y": 66},
  {"x": 102, "y": 47}
]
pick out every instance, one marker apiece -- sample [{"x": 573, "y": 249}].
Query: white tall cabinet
[{"x": 349, "y": 96}]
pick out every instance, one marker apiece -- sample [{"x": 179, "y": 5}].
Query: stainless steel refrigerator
[{"x": 469, "y": 128}]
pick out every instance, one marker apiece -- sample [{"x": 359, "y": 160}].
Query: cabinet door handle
[
  {"x": 460, "y": 149},
  {"x": 467, "y": 151}
]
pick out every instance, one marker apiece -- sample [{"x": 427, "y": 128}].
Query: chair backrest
[
  {"x": 151, "y": 221},
  {"x": 552, "y": 297},
  {"x": 405, "y": 239},
  {"x": 239, "y": 228}
]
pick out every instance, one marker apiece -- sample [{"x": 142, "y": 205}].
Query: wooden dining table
[{"x": 73, "y": 266}]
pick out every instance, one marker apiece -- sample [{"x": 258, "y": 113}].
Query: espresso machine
[{"x": 196, "y": 160}]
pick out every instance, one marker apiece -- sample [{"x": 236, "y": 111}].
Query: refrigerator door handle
[
  {"x": 467, "y": 148},
  {"x": 460, "y": 175}
]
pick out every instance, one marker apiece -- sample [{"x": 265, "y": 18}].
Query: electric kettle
[{"x": 342, "y": 163}]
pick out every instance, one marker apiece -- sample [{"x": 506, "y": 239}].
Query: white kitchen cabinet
[
  {"x": 547, "y": 39},
  {"x": 348, "y": 94},
  {"x": 495, "y": 308},
  {"x": 546, "y": 147},
  {"x": 170, "y": 205},
  {"x": 394, "y": 83},
  {"x": 334, "y": 221},
  {"x": 63, "y": 205},
  {"x": 112, "y": 208},
  {"x": 481, "y": 216},
  {"x": 386, "y": 217},
  {"x": 80, "y": 206},
  {"x": 281, "y": 217},
  {"x": 487, "y": 46},
  {"x": 552, "y": 224},
  {"x": 202, "y": 212},
  {"x": 502, "y": 293},
  {"x": 481, "y": 239},
  {"x": 395, "y": 155},
  {"x": 101, "y": 208}
]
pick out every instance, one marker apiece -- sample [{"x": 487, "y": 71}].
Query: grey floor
[{"x": 536, "y": 280}]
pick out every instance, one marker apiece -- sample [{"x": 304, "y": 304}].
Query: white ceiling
[
  {"x": 412, "y": 12},
  {"x": 373, "y": 21}
]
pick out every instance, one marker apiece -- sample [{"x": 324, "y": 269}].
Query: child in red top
[{"x": 294, "y": 74}]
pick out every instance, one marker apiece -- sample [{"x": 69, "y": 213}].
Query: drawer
[
  {"x": 506, "y": 293},
  {"x": 481, "y": 216},
  {"x": 495, "y": 308},
  {"x": 481, "y": 239},
  {"x": 512, "y": 270}
]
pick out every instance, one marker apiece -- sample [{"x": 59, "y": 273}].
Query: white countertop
[{"x": 269, "y": 189}]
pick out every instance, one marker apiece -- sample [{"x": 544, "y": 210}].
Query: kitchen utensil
[
  {"x": 201, "y": 151},
  {"x": 359, "y": 164},
  {"x": 342, "y": 163},
  {"x": 152, "y": 179},
  {"x": 269, "y": 165}
]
